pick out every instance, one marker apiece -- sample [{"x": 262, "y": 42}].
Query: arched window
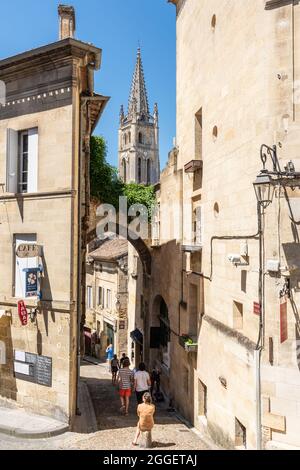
[
  {"x": 129, "y": 137},
  {"x": 139, "y": 170},
  {"x": 140, "y": 138},
  {"x": 125, "y": 139},
  {"x": 148, "y": 171},
  {"x": 124, "y": 171}
]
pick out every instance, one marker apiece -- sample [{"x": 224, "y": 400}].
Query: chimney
[{"x": 67, "y": 24}]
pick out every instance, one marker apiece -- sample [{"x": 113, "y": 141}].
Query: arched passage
[{"x": 139, "y": 245}]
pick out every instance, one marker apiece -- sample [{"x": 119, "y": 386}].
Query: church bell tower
[{"x": 139, "y": 134}]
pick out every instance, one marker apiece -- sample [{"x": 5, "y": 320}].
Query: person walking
[
  {"x": 142, "y": 383},
  {"x": 114, "y": 367},
  {"x": 109, "y": 355},
  {"x": 155, "y": 381},
  {"x": 145, "y": 412},
  {"x": 125, "y": 382},
  {"x": 123, "y": 358}
]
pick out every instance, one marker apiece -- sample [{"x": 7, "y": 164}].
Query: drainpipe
[{"x": 79, "y": 261}]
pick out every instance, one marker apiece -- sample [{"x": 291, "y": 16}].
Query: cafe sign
[{"x": 27, "y": 250}]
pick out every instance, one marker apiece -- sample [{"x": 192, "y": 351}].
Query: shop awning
[{"x": 137, "y": 336}]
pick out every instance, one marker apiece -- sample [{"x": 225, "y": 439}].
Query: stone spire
[{"x": 138, "y": 100}]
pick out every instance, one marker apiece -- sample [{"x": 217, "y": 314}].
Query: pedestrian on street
[
  {"x": 126, "y": 383},
  {"x": 109, "y": 355},
  {"x": 155, "y": 381},
  {"x": 123, "y": 358},
  {"x": 114, "y": 366},
  {"x": 142, "y": 383},
  {"x": 145, "y": 412}
]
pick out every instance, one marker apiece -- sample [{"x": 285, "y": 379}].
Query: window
[
  {"x": 197, "y": 226},
  {"x": 22, "y": 263},
  {"x": 124, "y": 171},
  {"x": 202, "y": 399},
  {"x": 141, "y": 139},
  {"x": 237, "y": 315},
  {"x": 125, "y": 139},
  {"x": 129, "y": 137},
  {"x": 139, "y": 170},
  {"x": 108, "y": 299},
  {"x": 156, "y": 226},
  {"x": 22, "y": 161},
  {"x": 89, "y": 291},
  {"x": 148, "y": 171},
  {"x": 100, "y": 301},
  {"x": 194, "y": 314},
  {"x": 198, "y": 135}
]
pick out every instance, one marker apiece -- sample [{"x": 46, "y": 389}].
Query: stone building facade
[
  {"x": 49, "y": 113},
  {"x": 107, "y": 296},
  {"x": 237, "y": 88}
]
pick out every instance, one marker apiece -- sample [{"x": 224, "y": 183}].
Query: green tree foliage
[
  {"x": 107, "y": 187},
  {"x": 105, "y": 183},
  {"x": 140, "y": 194}
]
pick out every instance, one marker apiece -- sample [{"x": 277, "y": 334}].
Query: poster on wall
[{"x": 31, "y": 282}]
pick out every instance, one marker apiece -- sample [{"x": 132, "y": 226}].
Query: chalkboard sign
[
  {"x": 44, "y": 371},
  {"x": 33, "y": 368}
]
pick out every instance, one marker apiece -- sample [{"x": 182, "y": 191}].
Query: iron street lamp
[{"x": 264, "y": 188}]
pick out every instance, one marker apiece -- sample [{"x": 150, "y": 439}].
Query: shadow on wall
[{"x": 8, "y": 387}]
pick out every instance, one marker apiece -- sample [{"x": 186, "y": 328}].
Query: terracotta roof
[{"x": 110, "y": 250}]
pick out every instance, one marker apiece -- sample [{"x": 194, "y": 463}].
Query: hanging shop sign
[
  {"x": 27, "y": 250},
  {"x": 22, "y": 311},
  {"x": 256, "y": 308},
  {"x": 283, "y": 320}
]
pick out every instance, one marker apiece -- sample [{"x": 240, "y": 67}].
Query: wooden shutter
[
  {"x": 12, "y": 161},
  {"x": 33, "y": 139}
]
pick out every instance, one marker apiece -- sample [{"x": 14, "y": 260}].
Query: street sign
[{"x": 256, "y": 308}]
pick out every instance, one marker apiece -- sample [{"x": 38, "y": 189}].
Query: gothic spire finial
[
  {"x": 122, "y": 114},
  {"x": 138, "y": 95}
]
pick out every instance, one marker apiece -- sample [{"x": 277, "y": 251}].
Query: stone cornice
[
  {"x": 67, "y": 47},
  {"x": 272, "y": 4}
]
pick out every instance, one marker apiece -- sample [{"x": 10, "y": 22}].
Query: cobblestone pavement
[{"x": 116, "y": 431}]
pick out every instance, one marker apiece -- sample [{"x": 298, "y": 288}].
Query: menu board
[{"x": 33, "y": 368}]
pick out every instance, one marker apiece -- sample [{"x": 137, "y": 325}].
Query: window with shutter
[
  {"x": 12, "y": 161},
  {"x": 198, "y": 226},
  {"x": 22, "y": 161}
]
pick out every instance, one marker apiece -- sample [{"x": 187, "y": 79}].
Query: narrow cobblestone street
[{"x": 115, "y": 431}]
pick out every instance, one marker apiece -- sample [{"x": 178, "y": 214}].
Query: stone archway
[{"x": 138, "y": 243}]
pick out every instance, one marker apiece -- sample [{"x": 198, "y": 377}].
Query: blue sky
[{"x": 116, "y": 26}]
